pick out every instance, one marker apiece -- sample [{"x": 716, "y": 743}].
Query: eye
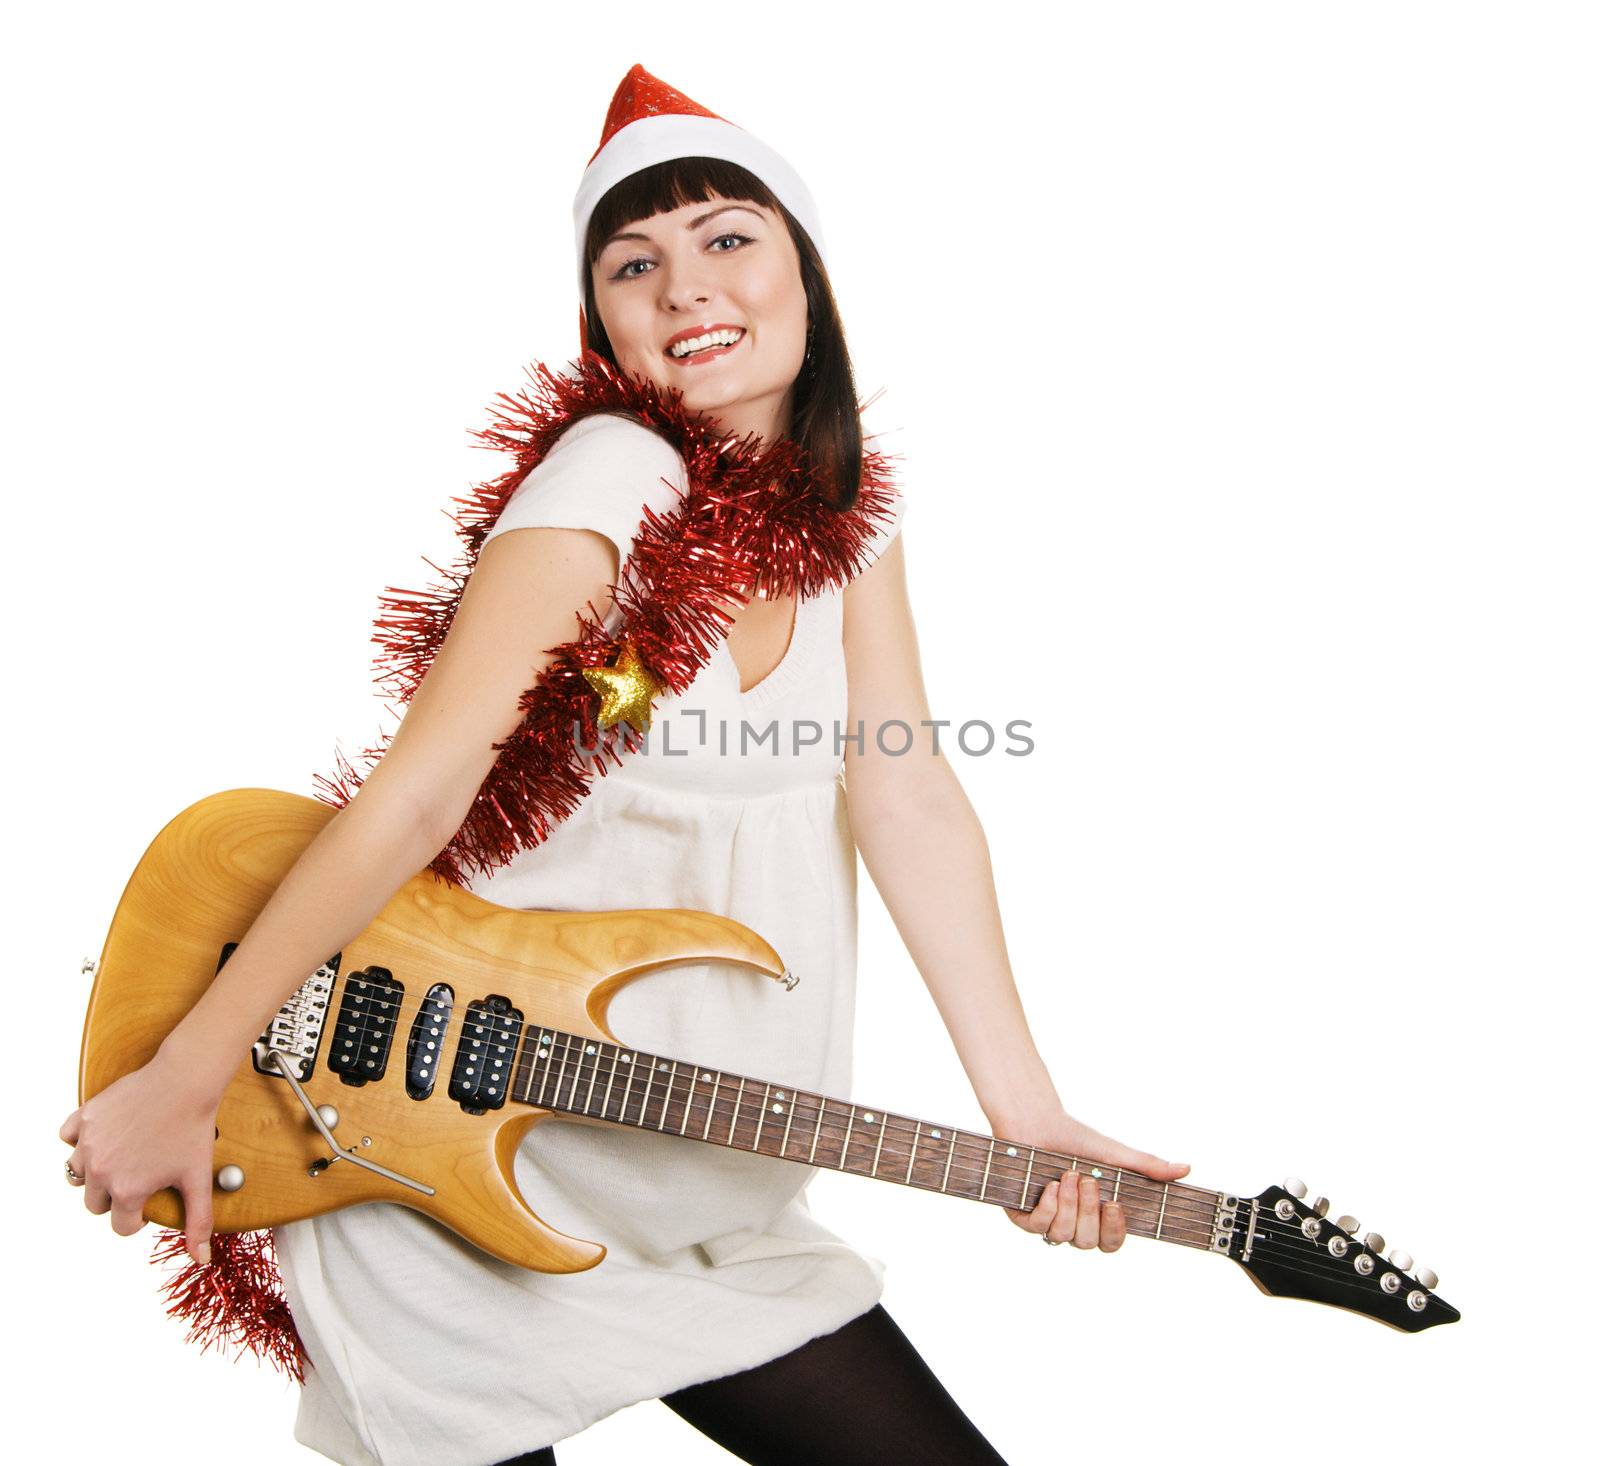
[
  {"x": 623, "y": 272},
  {"x": 742, "y": 238}
]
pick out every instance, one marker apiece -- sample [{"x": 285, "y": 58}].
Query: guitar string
[
  {"x": 1285, "y": 1245},
  {"x": 1002, "y": 1167},
  {"x": 1291, "y": 1241},
  {"x": 1005, "y": 1170},
  {"x": 1267, "y": 1222}
]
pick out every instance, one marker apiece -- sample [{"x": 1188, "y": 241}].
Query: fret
[
  {"x": 521, "y": 1073},
  {"x": 987, "y": 1165},
  {"x": 877, "y": 1150},
  {"x": 816, "y": 1134},
  {"x": 916, "y": 1135},
  {"x": 588, "y": 1099},
  {"x": 950, "y": 1155},
  {"x": 1162, "y": 1216},
  {"x": 738, "y": 1099},
  {"x": 666, "y": 1098},
  {"x": 844, "y": 1150},
  {"x": 632, "y": 1061},
  {"x": 761, "y": 1119},
  {"x": 546, "y": 1045},
  {"x": 1027, "y": 1181},
  {"x": 788, "y": 1124},
  {"x": 561, "y": 1076},
  {"x": 711, "y": 1108},
  {"x": 688, "y": 1104}
]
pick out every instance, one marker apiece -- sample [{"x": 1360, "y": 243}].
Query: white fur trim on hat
[{"x": 658, "y": 139}]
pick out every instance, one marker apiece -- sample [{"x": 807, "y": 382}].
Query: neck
[{"x": 589, "y": 1077}]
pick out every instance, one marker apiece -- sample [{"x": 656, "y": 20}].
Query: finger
[
  {"x": 1066, "y": 1217},
  {"x": 1087, "y": 1233},
  {"x": 69, "y": 1128},
  {"x": 96, "y": 1197},
  {"x": 1038, "y": 1220},
  {"x": 127, "y": 1212},
  {"x": 1113, "y": 1226},
  {"x": 1146, "y": 1164},
  {"x": 196, "y": 1190}
]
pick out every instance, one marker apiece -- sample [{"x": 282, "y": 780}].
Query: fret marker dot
[
  {"x": 705, "y": 1076},
  {"x": 1011, "y": 1150},
  {"x": 777, "y": 1109},
  {"x": 1096, "y": 1172},
  {"x": 589, "y": 1049},
  {"x": 938, "y": 1134},
  {"x": 780, "y": 1094},
  {"x": 627, "y": 1058},
  {"x": 868, "y": 1117}
]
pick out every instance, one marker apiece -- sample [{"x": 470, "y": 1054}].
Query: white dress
[{"x": 427, "y": 1352}]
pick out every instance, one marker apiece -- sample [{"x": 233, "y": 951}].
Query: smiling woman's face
[{"x": 723, "y": 268}]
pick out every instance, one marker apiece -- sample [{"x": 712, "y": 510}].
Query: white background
[{"x": 1242, "y": 358}]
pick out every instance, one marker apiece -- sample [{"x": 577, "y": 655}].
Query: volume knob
[
  {"x": 1295, "y": 1187},
  {"x": 230, "y": 1178}
]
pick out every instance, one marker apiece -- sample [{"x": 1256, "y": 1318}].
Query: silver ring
[
  {"x": 72, "y": 1176},
  {"x": 1051, "y": 1242}
]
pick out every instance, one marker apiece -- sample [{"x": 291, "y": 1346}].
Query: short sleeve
[
  {"x": 884, "y": 532},
  {"x": 599, "y": 474}
]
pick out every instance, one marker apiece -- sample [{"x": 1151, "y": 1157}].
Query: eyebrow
[{"x": 692, "y": 224}]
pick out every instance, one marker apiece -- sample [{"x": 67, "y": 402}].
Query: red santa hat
[{"x": 649, "y": 122}]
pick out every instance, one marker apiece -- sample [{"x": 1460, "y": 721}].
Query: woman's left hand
[{"x": 1071, "y": 1209}]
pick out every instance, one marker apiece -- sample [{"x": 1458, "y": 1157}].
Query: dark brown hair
[{"x": 826, "y": 421}]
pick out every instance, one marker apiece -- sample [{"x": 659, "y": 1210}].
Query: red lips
[{"x": 694, "y": 331}]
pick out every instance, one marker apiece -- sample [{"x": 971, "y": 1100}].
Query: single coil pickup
[
  {"x": 481, "y": 1077},
  {"x": 363, "y": 1033},
  {"x": 425, "y": 1046},
  {"x": 296, "y": 1027}
]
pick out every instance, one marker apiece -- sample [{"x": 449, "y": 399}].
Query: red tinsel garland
[{"x": 752, "y": 510}]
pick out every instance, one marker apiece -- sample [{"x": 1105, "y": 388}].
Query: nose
[{"x": 682, "y": 288}]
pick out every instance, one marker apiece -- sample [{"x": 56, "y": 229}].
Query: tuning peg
[
  {"x": 1401, "y": 1260},
  {"x": 1319, "y": 1207},
  {"x": 1295, "y": 1187},
  {"x": 1428, "y": 1278},
  {"x": 1348, "y": 1224},
  {"x": 1374, "y": 1242}
]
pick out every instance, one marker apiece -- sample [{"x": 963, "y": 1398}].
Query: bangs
[{"x": 663, "y": 187}]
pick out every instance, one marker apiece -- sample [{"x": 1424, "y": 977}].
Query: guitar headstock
[{"x": 1291, "y": 1249}]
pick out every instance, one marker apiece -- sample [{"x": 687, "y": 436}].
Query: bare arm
[
  {"x": 154, "y": 1127},
  {"x": 926, "y": 851},
  {"x": 517, "y": 603}
]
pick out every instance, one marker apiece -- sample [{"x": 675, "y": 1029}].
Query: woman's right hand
[{"x": 150, "y": 1129}]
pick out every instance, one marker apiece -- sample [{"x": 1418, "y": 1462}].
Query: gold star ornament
[{"x": 626, "y": 690}]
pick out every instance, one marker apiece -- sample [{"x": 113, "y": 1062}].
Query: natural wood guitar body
[{"x": 202, "y": 883}]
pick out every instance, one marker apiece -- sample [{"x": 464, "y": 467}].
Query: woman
[{"x": 701, "y": 271}]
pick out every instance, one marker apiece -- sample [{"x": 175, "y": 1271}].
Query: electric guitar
[{"x": 410, "y": 1066}]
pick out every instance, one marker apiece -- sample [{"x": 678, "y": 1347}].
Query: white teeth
[{"x": 699, "y": 343}]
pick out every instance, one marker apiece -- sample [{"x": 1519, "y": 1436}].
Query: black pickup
[
  {"x": 481, "y": 1078},
  {"x": 363, "y": 1033}
]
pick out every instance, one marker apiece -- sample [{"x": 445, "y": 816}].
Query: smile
[{"x": 705, "y": 346}]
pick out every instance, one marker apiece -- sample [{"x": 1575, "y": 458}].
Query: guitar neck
[{"x": 602, "y": 1081}]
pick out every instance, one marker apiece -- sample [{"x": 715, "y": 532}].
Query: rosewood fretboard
[{"x": 586, "y": 1076}]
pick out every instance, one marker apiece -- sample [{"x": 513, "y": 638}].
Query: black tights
[{"x": 861, "y": 1396}]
